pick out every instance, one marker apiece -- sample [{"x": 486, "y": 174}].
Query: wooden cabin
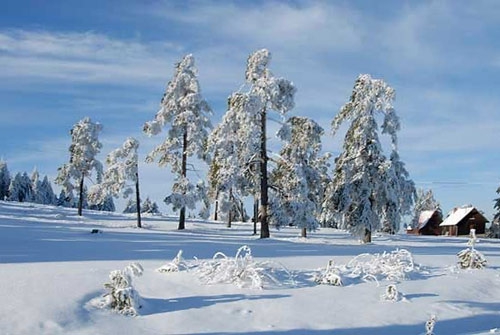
[
  {"x": 461, "y": 220},
  {"x": 428, "y": 223}
]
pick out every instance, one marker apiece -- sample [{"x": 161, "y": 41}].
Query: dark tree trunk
[
  {"x": 367, "y": 238},
  {"x": 264, "y": 201},
  {"x": 304, "y": 232},
  {"x": 182, "y": 216},
  {"x": 80, "y": 200},
  {"x": 230, "y": 213},
  {"x": 216, "y": 206},
  {"x": 255, "y": 214},
  {"x": 138, "y": 200}
]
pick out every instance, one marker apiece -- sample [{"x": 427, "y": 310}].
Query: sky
[{"x": 61, "y": 61}]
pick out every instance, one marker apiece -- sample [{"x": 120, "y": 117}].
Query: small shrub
[
  {"x": 470, "y": 258},
  {"x": 176, "y": 265},
  {"x": 391, "y": 294},
  {"x": 429, "y": 325},
  {"x": 330, "y": 276}
]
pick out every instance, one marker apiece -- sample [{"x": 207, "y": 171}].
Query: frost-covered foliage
[
  {"x": 83, "y": 150},
  {"x": 121, "y": 296},
  {"x": 130, "y": 206},
  {"x": 391, "y": 294},
  {"x": 4, "y": 180},
  {"x": 367, "y": 191},
  {"x": 300, "y": 176},
  {"x": 424, "y": 201},
  {"x": 176, "y": 265},
  {"x": 43, "y": 193},
  {"x": 470, "y": 258},
  {"x": 233, "y": 144},
  {"x": 186, "y": 195},
  {"x": 186, "y": 114},
  {"x": 106, "y": 205},
  {"x": 241, "y": 270},
  {"x": 393, "y": 266},
  {"x": 330, "y": 276},
  {"x": 494, "y": 230},
  {"x": 20, "y": 188},
  {"x": 430, "y": 324}
]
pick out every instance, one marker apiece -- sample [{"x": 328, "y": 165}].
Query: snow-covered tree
[
  {"x": 44, "y": 193},
  {"x": 300, "y": 175},
  {"x": 20, "y": 188},
  {"x": 186, "y": 114},
  {"x": 4, "y": 180},
  {"x": 66, "y": 199},
  {"x": 424, "y": 201},
  {"x": 83, "y": 150},
  {"x": 366, "y": 189},
  {"x": 122, "y": 167},
  {"x": 105, "y": 204},
  {"x": 272, "y": 94},
  {"x": 149, "y": 207},
  {"x": 130, "y": 206},
  {"x": 233, "y": 145}
]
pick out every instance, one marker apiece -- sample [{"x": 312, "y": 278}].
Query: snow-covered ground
[{"x": 52, "y": 267}]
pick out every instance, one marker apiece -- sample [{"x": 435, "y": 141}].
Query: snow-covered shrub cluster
[
  {"x": 331, "y": 276},
  {"x": 121, "y": 296},
  {"x": 429, "y": 325},
  {"x": 470, "y": 258},
  {"x": 176, "y": 265},
  {"x": 241, "y": 270},
  {"x": 395, "y": 266}
]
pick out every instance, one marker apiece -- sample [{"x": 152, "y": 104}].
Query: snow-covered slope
[{"x": 51, "y": 267}]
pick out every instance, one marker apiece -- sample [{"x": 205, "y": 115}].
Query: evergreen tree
[
  {"x": 106, "y": 205},
  {"x": 66, "y": 199},
  {"x": 233, "y": 144},
  {"x": 149, "y": 207},
  {"x": 83, "y": 150},
  {"x": 271, "y": 93},
  {"x": 300, "y": 175},
  {"x": 20, "y": 188},
  {"x": 366, "y": 189},
  {"x": 424, "y": 201},
  {"x": 122, "y": 166},
  {"x": 186, "y": 113},
  {"x": 45, "y": 194},
  {"x": 4, "y": 180},
  {"x": 130, "y": 207}
]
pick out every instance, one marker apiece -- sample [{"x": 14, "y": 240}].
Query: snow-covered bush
[
  {"x": 391, "y": 294},
  {"x": 429, "y": 325},
  {"x": 176, "y": 265},
  {"x": 121, "y": 296},
  {"x": 331, "y": 276},
  {"x": 392, "y": 266},
  {"x": 470, "y": 258},
  {"x": 241, "y": 270}
]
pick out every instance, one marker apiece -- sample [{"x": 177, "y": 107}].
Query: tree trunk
[
  {"x": 264, "y": 225},
  {"x": 80, "y": 200},
  {"x": 255, "y": 214},
  {"x": 138, "y": 200},
  {"x": 368, "y": 236},
  {"x": 304, "y": 232},
  {"x": 216, "y": 206},
  {"x": 230, "y": 213},
  {"x": 182, "y": 216}
]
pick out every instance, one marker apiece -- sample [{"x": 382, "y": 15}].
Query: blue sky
[{"x": 63, "y": 60}]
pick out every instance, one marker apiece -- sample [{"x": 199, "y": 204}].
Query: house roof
[
  {"x": 424, "y": 217},
  {"x": 458, "y": 214}
]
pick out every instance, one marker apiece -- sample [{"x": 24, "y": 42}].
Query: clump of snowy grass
[
  {"x": 394, "y": 266},
  {"x": 330, "y": 276},
  {"x": 391, "y": 294},
  {"x": 121, "y": 296},
  {"x": 176, "y": 265},
  {"x": 470, "y": 258},
  {"x": 242, "y": 270}
]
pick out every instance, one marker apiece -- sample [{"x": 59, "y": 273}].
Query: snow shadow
[
  {"x": 158, "y": 306},
  {"x": 461, "y": 326}
]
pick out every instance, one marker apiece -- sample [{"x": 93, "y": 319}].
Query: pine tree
[
  {"x": 149, "y": 207},
  {"x": 299, "y": 176},
  {"x": 105, "y": 205},
  {"x": 233, "y": 144},
  {"x": 66, "y": 199},
  {"x": 186, "y": 113},
  {"x": 131, "y": 206},
  {"x": 424, "y": 201},
  {"x": 20, "y": 188},
  {"x": 83, "y": 150},
  {"x": 366, "y": 189},
  {"x": 44, "y": 193},
  {"x": 4, "y": 180},
  {"x": 122, "y": 166},
  {"x": 271, "y": 93}
]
